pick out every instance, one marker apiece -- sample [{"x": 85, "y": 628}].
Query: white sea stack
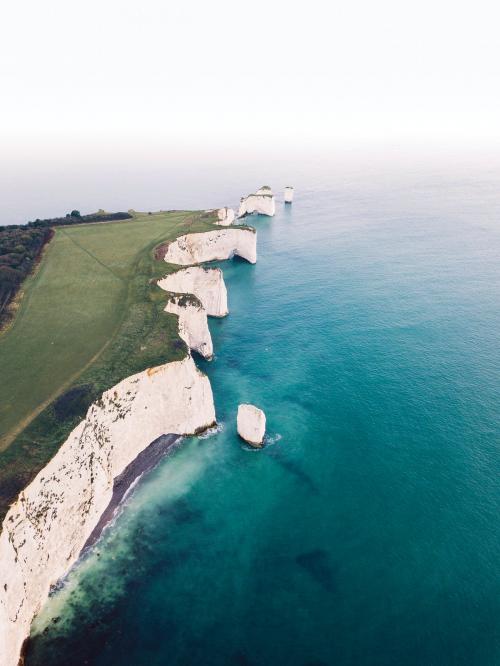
[
  {"x": 207, "y": 284},
  {"x": 251, "y": 424},
  {"x": 225, "y": 216},
  {"x": 261, "y": 202},
  {"x": 288, "y": 195},
  {"x": 213, "y": 246},
  {"x": 48, "y": 525}
]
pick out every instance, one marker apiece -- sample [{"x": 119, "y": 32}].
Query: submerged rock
[{"x": 251, "y": 423}]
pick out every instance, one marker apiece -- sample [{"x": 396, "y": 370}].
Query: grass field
[{"x": 88, "y": 318}]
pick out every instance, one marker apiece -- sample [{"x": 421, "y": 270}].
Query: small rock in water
[
  {"x": 251, "y": 424},
  {"x": 288, "y": 195}
]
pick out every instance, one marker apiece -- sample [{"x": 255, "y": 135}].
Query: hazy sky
[
  {"x": 226, "y": 73},
  {"x": 97, "y": 95}
]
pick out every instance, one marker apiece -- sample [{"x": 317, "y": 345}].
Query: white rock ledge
[
  {"x": 207, "y": 284},
  {"x": 214, "y": 245},
  {"x": 261, "y": 202},
  {"x": 48, "y": 525},
  {"x": 251, "y": 424},
  {"x": 225, "y": 216},
  {"x": 196, "y": 292},
  {"x": 193, "y": 324}
]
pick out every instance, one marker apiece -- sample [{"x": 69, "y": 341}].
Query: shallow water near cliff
[{"x": 366, "y": 531}]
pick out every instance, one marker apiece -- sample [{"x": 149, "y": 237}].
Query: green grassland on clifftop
[{"x": 89, "y": 317}]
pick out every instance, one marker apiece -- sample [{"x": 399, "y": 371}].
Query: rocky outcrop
[
  {"x": 261, "y": 202},
  {"x": 251, "y": 424},
  {"x": 46, "y": 528},
  {"x": 195, "y": 293},
  {"x": 265, "y": 190},
  {"x": 225, "y": 216},
  {"x": 212, "y": 246},
  {"x": 288, "y": 195},
  {"x": 207, "y": 284},
  {"x": 193, "y": 324}
]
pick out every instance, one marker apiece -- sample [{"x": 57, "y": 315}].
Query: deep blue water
[{"x": 366, "y": 532}]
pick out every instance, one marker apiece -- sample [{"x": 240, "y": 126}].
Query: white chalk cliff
[
  {"x": 288, "y": 194},
  {"x": 207, "y": 284},
  {"x": 193, "y": 324},
  {"x": 251, "y": 424},
  {"x": 212, "y": 246},
  {"x": 225, "y": 216},
  {"x": 261, "y": 202},
  {"x": 195, "y": 293},
  {"x": 48, "y": 525}
]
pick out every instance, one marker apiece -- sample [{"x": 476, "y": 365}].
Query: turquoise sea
[{"x": 366, "y": 532}]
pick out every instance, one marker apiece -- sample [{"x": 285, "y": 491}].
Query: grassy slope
[{"x": 89, "y": 318}]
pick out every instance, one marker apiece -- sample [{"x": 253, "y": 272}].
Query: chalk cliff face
[
  {"x": 225, "y": 216},
  {"x": 193, "y": 324},
  {"x": 213, "y": 245},
  {"x": 46, "y": 528},
  {"x": 261, "y": 202},
  {"x": 195, "y": 293},
  {"x": 48, "y": 525},
  {"x": 207, "y": 284},
  {"x": 288, "y": 195}
]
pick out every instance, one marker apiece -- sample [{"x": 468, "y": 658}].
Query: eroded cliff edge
[
  {"x": 212, "y": 246},
  {"x": 261, "y": 202},
  {"x": 207, "y": 284},
  {"x": 194, "y": 294},
  {"x": 46, "y": 528}
]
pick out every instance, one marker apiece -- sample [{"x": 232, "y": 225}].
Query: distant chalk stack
[
  {"x": 288, "y": 195},
  {"x": 262, "y": 202},
  {"x": 225, "y": 216}
]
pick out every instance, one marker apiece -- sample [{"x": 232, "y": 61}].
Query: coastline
[
  {"x": 49, "y": 524},
  {"x": 124, "y": 483},
  {"x": 123, "y": 486},
  {"x": 63, "y": 511},
  {"x": 134, "y": 333}
]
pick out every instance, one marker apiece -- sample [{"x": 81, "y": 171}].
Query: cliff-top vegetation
[
  {"x": 90, "y": 315},
  {"x": 21, "y": 246}
]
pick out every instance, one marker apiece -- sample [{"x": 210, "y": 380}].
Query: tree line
[{"x": 21, "y": 246}]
